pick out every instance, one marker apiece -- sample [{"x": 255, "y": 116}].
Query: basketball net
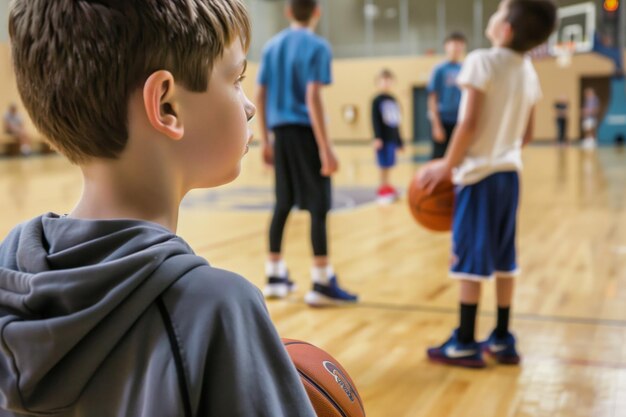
[{"x": 564, "y": 52}]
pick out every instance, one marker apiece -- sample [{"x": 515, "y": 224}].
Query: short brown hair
[
  {"x": 456, "y": 37},
  {"x": 533, "y": 21},
  {"x": 77, "y": 62},
  {"x": 386, "y": 74},
  {"x": 302, "y": 10}
]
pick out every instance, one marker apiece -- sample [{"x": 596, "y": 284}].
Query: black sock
[
  {"x": 468, "y": 322},
  {"x": 502, "y": 328}
]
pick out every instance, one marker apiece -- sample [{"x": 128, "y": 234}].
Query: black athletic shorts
[
  {"x": 297, "y": 167},
  {"x": 439, "y": 149}
]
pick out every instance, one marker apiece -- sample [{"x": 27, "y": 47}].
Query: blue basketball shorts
[
  {"x": 386, "y": 156},
  {"x": 484, "y": 228}
]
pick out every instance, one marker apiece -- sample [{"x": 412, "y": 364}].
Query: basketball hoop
[{"x": 563, "y": 52}]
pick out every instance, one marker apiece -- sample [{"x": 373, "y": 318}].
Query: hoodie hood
[{"x": 69, "y": 291}]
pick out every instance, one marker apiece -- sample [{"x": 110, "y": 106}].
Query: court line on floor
[
  {"x": 587, "y": 363},
  {"x": 517, "y": 316},
  {"x": 620, "y": 250}
]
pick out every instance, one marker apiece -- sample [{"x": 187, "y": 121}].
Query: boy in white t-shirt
[{"x": 500, "y": 90}]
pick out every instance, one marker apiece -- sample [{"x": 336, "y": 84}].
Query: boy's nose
[{"x": 250, "y": 109}]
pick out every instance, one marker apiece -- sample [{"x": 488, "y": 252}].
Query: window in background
[
  {"x": 460, "y": 17},
  {"x": 267, "y": 20},
  {"x": 361, "y": 28},
  {"x": 422, "y": 37},
  {"x": 385, "y": 22},
  {"x": 343, "y": 24}
]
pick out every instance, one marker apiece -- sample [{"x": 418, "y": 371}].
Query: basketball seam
[
  {"x": 352, "y": 382},
  {"x": 322, "y": 391},
  {"x": 297, "y": 343},
  {"x": 431, "y": 212}
]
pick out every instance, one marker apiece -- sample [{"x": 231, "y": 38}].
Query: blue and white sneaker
[
  {"x": 452, "y": 352},
  {"x": 329, "y": 295},
  {"x": 277, "y": 288},
  {"x": 502, "y": 349}
]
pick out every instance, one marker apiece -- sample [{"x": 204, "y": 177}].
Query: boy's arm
[
  {"x": 261, "y": 96},
  {"x": 246, "y": 369},
  {"x": 461, "y": 140},
  {"x": 464, "y": 134},
  {"x": 530, "y": 127},
  {"x": 433, "y": 113},
  {"x": 330, "y": 164},
  {"x": 377, "y": 124}
]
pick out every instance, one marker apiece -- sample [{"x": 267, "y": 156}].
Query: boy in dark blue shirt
[
  {"x": 296, "y": 64},
  {"x": 444, "y": 96},
  {"x": 386, "y": 123}
]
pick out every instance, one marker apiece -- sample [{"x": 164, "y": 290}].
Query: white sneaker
[
  {"x": 589, "y": 143},
  {"x": 25, "y": 150},
  {"x": 277, "y": 288}
]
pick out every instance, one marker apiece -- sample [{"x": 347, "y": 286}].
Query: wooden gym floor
[{"x": 570, "y": 309}]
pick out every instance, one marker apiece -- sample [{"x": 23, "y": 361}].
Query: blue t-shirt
[
  {"x": 291, "y": 60},
  {"x": 443, "y": 82}
]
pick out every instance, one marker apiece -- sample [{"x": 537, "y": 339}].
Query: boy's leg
[
  {"x": 278, "y": 283},
  {"x": 322, "y": 271},
  {"x": 386, "y": 157},
  {"x": 439, "y": 149},
  {"x": 561, "y": 130},
  {"x": 501, "y": 343},
  {"x": 25, "y": 143},
  {"x": 384, "y": 177},
  {"x": 470, "y": 296},
  {"x": 386, "y": 193},
  {"x": 461, "y": 349},
  {"x": 472, "y": 263},
  {"x": 326, "y": 290},
  {"x": 504, "y": 295},
  {"x": 277, "y": 228}
]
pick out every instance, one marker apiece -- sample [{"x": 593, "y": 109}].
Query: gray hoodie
[{"x": 119, "y": 318}]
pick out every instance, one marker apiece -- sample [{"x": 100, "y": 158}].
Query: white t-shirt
[
  {"x": 12, "y": 119},
  {"x": 511, "y": 87}
]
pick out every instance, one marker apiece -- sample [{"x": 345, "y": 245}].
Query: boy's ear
[
  {"x": 289, "y": 13},
  {"x": 159, "y": 99},
  {"x": 317, "y": 13},
  {"x": 507, "y": 32}
]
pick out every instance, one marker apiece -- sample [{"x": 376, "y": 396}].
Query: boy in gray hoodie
[{"x": 105, "y": 311}]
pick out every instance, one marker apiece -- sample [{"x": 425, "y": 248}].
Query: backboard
[{"x": 577, "y": 26}]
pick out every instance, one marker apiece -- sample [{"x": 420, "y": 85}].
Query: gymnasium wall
[
  {"x": 8, "y": 87},
  {"x": 354, "y": 85},
  {"x": 4, "y": 18}
]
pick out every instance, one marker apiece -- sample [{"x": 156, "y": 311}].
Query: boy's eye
[{"x": 241, "y": 78}]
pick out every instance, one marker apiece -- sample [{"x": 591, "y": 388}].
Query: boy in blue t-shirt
[
  {"x": 386, "y": 119},
  {"x": 296, "y": 64},
  {"x": 444, "y": 96},
  {"x": 500, "y": 92}
]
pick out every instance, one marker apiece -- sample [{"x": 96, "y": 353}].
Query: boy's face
[
  {"x": 499, "y": 31},
  {"x": 455, "y": 50},
  {"x": 385, "y": 83},
  {"x": 216, "y": 124}
]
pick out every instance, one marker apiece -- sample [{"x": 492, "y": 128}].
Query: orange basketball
[
  {"x": 433, "y": 211},
  {"x": 330, "y": 388}
]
